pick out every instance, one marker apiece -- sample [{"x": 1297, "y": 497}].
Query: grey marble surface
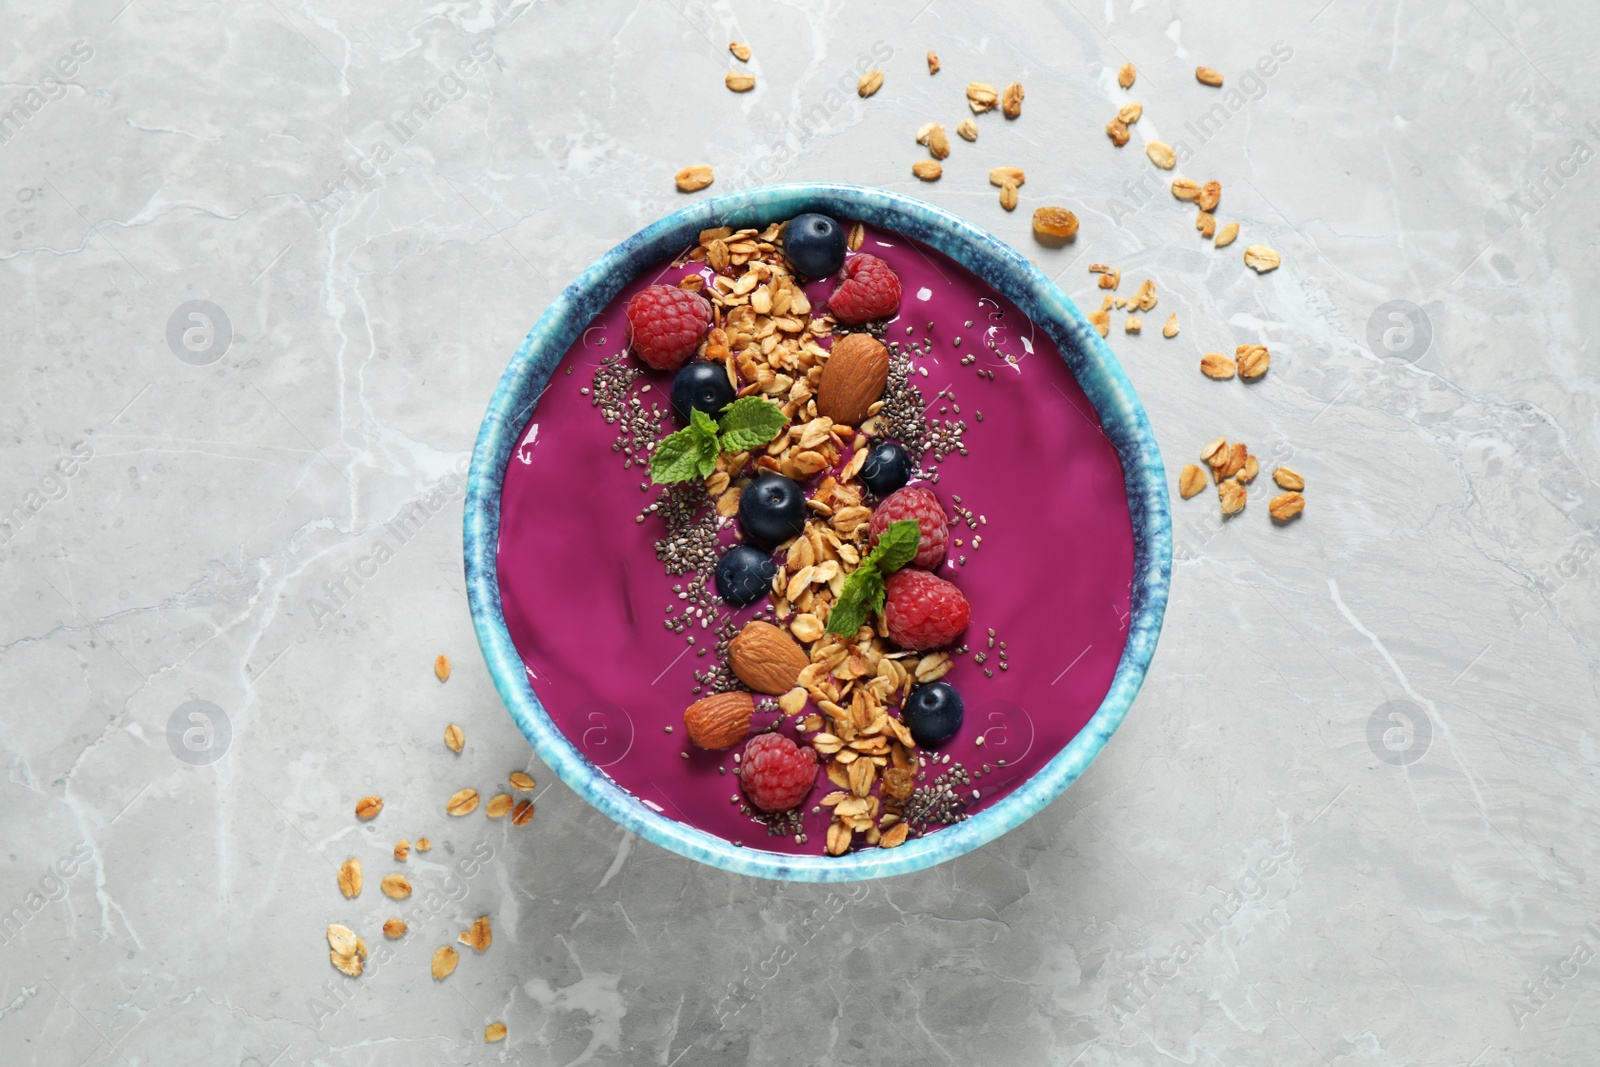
[{"x": 1351, "y": 818}]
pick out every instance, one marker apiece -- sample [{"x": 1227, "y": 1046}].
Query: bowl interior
[{"x": 1091, "y": 362}]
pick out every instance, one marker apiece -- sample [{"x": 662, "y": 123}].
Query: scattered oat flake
[
  {"x": 342, "y": 940},
  {"x": 441, "y": 668},
  {"x": 967, "y": 129},
  {"x": 1171, "y": 328},
  {"x": 1132, "y": 324},
  {"x": 1288, "y": 478},
  {"x": 1128, "y": 114},
  {"x": 1231, "y": 495},
  {"x": 1002, "y": 176},
  {"x": 1161, "y": 154},
  {"x": 395, "y": 886},
  {"x": 367, "y": 807},
  {"x": 494, "y": 1032},
  {"x": 1117, "y": 130},
  {"x": 1261, "y": 259},
  {"x": 933, "y": 62},
  {"x": 423, "y": 844},
  {"x": 927, "y": 169},
  {"x": 1208, "y": 76},
  {"x": 1126, "y": 75},
  {"x": 692, "y": 179},
  {"x": 522, "y": 813},
  {"x": 1011, "y": 100},
  {"x": 521, "y": 781},
  {"x": 462, "y": 802},
  {"x": 1190, "y": 481},
  {"x": 870, "y": 82},
  {"x": 350, "y": 965},
  {"x": 499, "y": 806},
  {"x": 1008, "y": 196},
  {"x": 739, "y": 81},
  {"x": 444, "y": 962},
  {"x": 454, "y": 738},
  {"x": 402, "y": 849},
  {"x": 1253, "y": 361},
  {"x": 478, "y": 936},
  {"x": 981, "y": 97},
  {"x": 350, "y": 878},
  {"x": 1226, "y": 235},
  {"x": 393, "y": 928},
  {"x": 1286, "y": 506},
  {"x": 740, "y": 51}
]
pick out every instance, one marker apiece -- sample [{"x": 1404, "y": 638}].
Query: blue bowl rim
[{"x": 1122, "y": 419}]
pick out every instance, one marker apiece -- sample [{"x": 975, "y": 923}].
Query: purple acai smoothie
[{"x": 1041, "y": 546}]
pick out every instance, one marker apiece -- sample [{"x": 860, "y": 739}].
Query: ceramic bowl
[{"x": 1097, "y": 371}]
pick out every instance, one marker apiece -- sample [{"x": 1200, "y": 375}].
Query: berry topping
[
  {"x": 744, "y": 575},
  {"x": 772, "y": 509},
  {"x": 777, "y": 773},
  {"x": 933, "y": 713},
  {"x": 915, "y": 502},
  {"x": 870, "y": 290},
  {"x": 701, "y": 386},
  {"x": 923, "y": 611},
  {"x": 815, "y": 244},
  {"x": 886, "y": 469},
  {"x": 665, "y": 325}
]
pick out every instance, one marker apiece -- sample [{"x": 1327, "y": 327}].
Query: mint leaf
[
  {"x": 676, "y": 459},
  {"x": 750, "y": 422},
  {"x": 864, "y": 590},
  {"x": 897, "y": 545},
  {"x": 861, "y": 590},
  {"x": 701, "y": 423},
  {"x": 690, "y": 452}
]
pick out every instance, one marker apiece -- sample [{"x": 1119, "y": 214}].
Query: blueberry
[
  {"x": 701, "y": 385},
  {"x": 933, "y": 713},
  {"x": 772, "y": 509},
  {"x": 744, "y": 575},
  {"x": 887, "y": 468},
  {"x": 814, "y": 244}
]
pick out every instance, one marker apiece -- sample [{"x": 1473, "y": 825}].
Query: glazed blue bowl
[{"x": 1121, "y": 416}]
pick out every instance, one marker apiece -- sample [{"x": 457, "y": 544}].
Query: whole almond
[
  {"x": 368, "y": 807},
  {"x": 853, "y": 378},
  {"x": 719, "y": 721},
  {"x": 766, "y": 659}
]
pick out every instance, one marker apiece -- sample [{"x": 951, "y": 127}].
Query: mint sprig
[
  {"x": 864, "y": 590},
  {"x": 747, "y": 423}
]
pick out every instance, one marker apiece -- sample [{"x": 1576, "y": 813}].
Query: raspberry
[
  {"x": 922, "y": 610},
  {"x": 777, "y": 773},
  {"x": 870, "y": 290},
  {"x": 665, "y": 325},
  {"x": 916, "y": 502}
]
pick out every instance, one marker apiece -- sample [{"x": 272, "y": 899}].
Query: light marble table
[{"x": 1349, "y": 821}]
